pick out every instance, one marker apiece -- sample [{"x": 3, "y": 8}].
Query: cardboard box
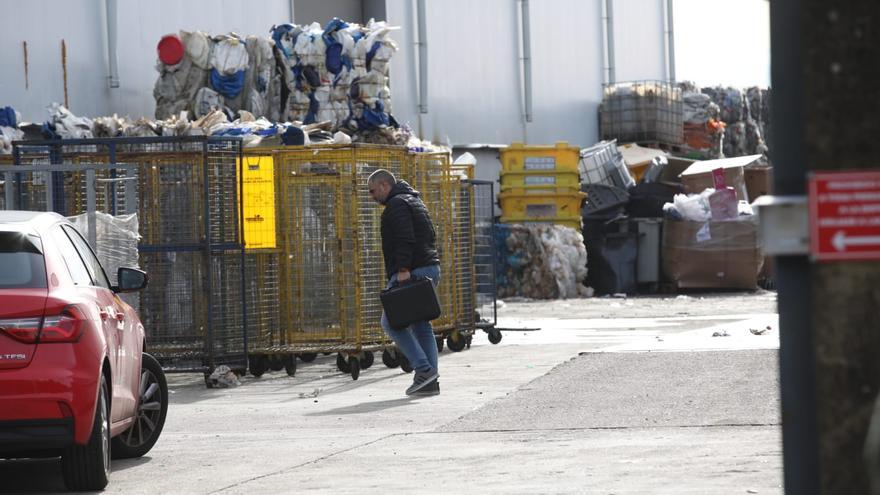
[
  {"x": 722, "y": 255},
  {"x": 672, "y": 171},
  {"x": 698, "y": 176},
  {"x": 759, "y": 181}
]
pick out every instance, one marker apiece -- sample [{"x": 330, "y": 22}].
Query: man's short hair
[{"x": 382, "y": 175}]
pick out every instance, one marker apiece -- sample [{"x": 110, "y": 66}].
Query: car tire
[
  {"x": 152, "y": 409},
  {"x": 87, "y": 467}
]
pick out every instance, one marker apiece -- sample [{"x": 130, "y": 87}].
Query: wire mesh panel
[
  {"x": 484, "y": 251},
  {"x": 263, "y": 293},
  {"x": 316, "y": 234},
  {"x": 642, "y": 111},
  {"x": 464, "y": 256},
  {"x": 430, "y": 173},
  {"x": 185, "y": 191},
  {"x": 371, "y": 264},
  {"x": 174, "y": 307}
]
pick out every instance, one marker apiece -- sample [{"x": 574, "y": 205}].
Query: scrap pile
[
  {"x": 335, "y": 76},
  {"x": 703, "y": 126},
  {"x": 540, "y": 261},
  {"x": 746, "y": 118}
]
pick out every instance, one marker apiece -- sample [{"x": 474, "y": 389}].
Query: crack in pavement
[{"x": 303, "y": 464}]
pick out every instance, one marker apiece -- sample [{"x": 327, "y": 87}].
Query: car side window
[
  {"x": 75, "y": 265},
  {"x": 97, "y": 271}
]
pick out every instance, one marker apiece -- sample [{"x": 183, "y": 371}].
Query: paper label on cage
[
  {"x": 540, "y": 211},
  {"x": 540, "y": 180},
  {"x": 540, "y": 163},
  {"x": 704, "y": 234}
]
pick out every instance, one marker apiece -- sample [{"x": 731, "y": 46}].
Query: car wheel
[
  {"x": 87, "y": 467},
  {"x": 152, "y": 408}
]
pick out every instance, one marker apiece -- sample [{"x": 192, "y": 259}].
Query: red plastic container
[{"x": 170, "y": 49}]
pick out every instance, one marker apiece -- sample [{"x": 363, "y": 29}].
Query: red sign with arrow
[{"x": 845, "y": 216}]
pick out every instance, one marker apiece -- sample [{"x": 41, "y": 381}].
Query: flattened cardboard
[{"x": 698, "y": 176}]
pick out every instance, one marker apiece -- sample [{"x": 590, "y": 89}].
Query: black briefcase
[{"x": 409, "y": 302}]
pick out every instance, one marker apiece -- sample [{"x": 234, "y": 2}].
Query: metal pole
[
  {"x": 207, "y": 253},
  {"x": 796, "y": 332},
  {"x": 50, "y": 196},
  {"x": 90, "y": 208},
  {"x": 527, "y": 58},
  {"x": 670, "y": 33},
  {"x": 609, "y": 40},
  {"x": 423, "y": 57},
  {"x": 113, "y": 77},
  {"x": 7, "y": 186}
]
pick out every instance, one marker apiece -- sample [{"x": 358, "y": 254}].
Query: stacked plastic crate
[{"x": 541, "y": 184}]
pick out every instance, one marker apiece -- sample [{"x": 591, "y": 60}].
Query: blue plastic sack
[
  {"x": 229, "y": 86},
  {"x": 334, "y": 58},
  {"x": 7, "y": 117}
]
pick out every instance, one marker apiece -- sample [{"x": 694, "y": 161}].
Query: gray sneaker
[
  {"x": 432, "y": 388},
  {"x": 421, "y": 380}
]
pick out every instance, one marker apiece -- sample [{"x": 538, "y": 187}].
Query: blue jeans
[{"x": 417, "y": 340}]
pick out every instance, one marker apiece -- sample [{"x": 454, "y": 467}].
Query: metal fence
[
  {"x": 185, "y": 192},
  {"x": 258, "y": 257}
]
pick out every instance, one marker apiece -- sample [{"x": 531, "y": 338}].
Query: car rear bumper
[
  {"x": 24, "y": 437},
  {"x": 59, "y": 387}
]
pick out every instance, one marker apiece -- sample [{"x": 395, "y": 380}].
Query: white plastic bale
[
  {"x": 198, "y": 47},
  {"x": 229, "y": 55}
]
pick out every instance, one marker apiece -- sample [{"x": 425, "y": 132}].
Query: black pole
[{"x": 797, "y": 360}]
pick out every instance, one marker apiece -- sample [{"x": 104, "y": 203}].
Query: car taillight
[
  {"x": 22, "y": 329},
  {"x": 65, "y": 327}
]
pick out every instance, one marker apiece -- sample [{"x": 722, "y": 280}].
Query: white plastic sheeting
[{"x": 542, "y": 262}]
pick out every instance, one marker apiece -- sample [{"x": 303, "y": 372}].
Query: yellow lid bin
[{"x": 560, "y": 157}]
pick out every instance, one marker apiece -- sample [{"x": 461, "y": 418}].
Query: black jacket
[{"x": 408, "y": 237}]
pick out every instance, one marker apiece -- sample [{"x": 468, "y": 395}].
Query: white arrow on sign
[{"x": 840, "y": 241}]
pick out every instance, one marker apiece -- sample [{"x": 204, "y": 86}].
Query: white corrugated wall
[
  {"x": 475, "y": 90},
  {"x": 475, "y": 83},
  {"x": 81, "y": 23}
]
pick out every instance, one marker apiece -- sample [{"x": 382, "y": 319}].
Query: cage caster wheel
[
  {"x": 389, "y": 359},
  {"x": 290, "y": 364},
  {"x": 439, "y": 344},
  {"x": 495, "y": 336},
  {"x": 342, "y": 363},
  {"x": 276, "y": 362},
  {"x": 308, "y": 357},
  {"x": 258, "y": 365},
  {"x": 468, "y": 340},
  {"x": 208, "y": 382},
  {"x": 455, "y": 342},
  {"x": 367, "y": 359},
  {"x": 354, "y": 365},
  {"x": 404, "y": 363}
]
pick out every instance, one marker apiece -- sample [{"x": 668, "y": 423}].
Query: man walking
[{"x": 409, "y": 250}]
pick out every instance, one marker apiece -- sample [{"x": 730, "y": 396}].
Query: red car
[{"x": 74, "y": 381}]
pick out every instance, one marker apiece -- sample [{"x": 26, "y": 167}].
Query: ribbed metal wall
[{"x": 475, "y": 90}]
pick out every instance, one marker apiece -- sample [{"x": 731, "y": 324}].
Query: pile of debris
[
  {"x": 63, "y": 124},
  {"x": 746, "y": 117},
  {"x": 336, "y": 75},
  {"x": 703, "y": 127},
  {"x": 540, "y": 261}
]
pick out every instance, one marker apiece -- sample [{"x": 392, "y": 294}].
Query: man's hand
[{"x": 402, "y": 275}]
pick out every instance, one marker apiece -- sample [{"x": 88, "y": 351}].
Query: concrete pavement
[{"x": 531, "y": 415}]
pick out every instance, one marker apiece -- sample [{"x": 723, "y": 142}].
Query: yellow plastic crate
[
  {"x": 539, "y": 181},
  {"x": 541, "y": 206},
  {"x": 559, "y": 158},
  {"x": 572, "y": 222}
]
